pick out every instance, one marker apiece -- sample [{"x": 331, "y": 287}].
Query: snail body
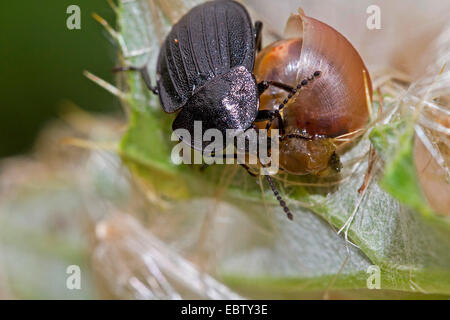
[{"x": 326, "y": 107}]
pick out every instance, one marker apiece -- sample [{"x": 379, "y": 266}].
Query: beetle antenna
[
  {"x": 292, "y": 91},
  {"x": 301, "y": 84},
  {"x": 280, "y": 200}
]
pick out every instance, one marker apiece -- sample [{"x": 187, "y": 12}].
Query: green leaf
[
  {"x": 221, "y": 214},
  {"x": 395, "y": 143}
]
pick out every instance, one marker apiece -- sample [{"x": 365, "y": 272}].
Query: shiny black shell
[
  {"x": 207, "y": 42},
  {"x": 200, "y": 63}
]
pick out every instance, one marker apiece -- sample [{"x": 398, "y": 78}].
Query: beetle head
[{"x": 315, "y": 156}]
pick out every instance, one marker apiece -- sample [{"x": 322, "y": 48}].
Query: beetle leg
[
  {"x": 276, "y": 114},
  {"x": 227, "y": 156},
  {"x": 270, "y": 115},
  {"x": 205, "y": 166},
  {"x": 258, "y": 35},
  {"x": 264, "y": 85},
  {"x": 280, "y": 121},
  {"x": 248, "y": 170},
  {"x": 264, "y": 115},
  {"x": 144, "y": 73},
  {"x": 294, "y": 136}
]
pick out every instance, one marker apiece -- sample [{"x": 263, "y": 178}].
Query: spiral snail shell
[{"x": 333, "y": 104}]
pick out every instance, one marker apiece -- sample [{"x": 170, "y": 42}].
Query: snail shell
[{"x": 330, "y": 106}]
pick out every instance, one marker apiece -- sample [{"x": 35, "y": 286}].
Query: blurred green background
[{"x": 41, "y": 65}]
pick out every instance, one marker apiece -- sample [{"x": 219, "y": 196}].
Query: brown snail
[{"x": 328, "y": 97}]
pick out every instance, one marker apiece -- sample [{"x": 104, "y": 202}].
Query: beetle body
[
  {"x": 205, "y": 69},
  {"x": 332, "y": 105}
]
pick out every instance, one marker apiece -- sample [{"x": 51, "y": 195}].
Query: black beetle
[{"x": 205, "y": 72}]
